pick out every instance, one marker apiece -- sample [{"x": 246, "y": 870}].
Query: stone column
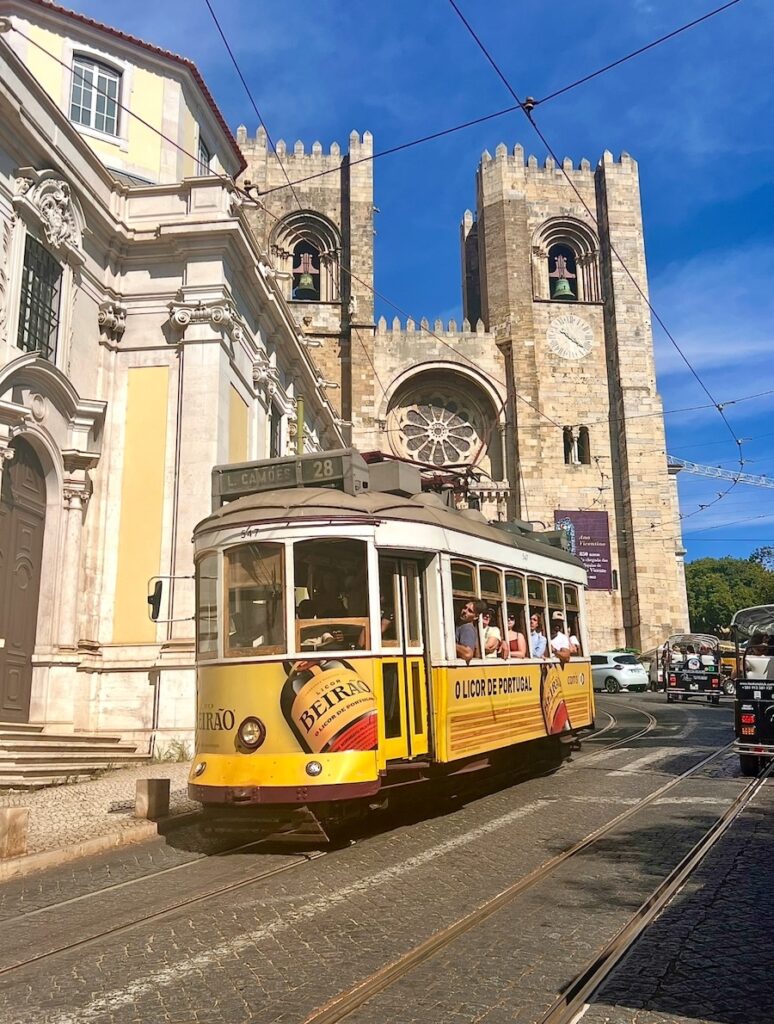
[{"x": 75, "y": 500}]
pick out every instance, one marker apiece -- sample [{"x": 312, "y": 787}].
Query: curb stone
[{"x": 17, "y": 867}]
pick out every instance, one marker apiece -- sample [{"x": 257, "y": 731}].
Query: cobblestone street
[{"x": 145, "y": 933}]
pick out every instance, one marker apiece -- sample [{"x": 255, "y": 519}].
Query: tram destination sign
[{"x": 343, "y": 469}]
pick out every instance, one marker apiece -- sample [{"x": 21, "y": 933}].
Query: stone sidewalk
[{"x": 61, "y": 816}]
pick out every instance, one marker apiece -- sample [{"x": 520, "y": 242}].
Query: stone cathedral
[{"x": 547, "y": 386}]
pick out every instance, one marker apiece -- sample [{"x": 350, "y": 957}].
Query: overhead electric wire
[
  {"x": 527, "y": 108},
  {"x": 636, "y": 53},
  {"x": 247, "y": 194},
  {"x": 432, "y": 136}
]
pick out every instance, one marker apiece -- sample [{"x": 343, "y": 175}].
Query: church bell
[
  {"x": 563, "y": 290},
  {"x": 305, "y": 288}
]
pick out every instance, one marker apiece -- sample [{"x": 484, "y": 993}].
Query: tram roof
[{"x": 313, "y": 503}]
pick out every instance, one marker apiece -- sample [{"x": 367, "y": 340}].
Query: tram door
[{"x": 404, "y": 680}]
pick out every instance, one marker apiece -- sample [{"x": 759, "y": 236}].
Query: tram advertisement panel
[
  {"x": 318, "y": 707},
  {"x": 489, "y": 707}
]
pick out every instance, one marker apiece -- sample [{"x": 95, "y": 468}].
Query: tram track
[
  {"x": 190, "y": 901},
  {"x": 264, "y": 840},
  {"x": 299, "y": 860},
  {"x": 346, "y": 1003}
]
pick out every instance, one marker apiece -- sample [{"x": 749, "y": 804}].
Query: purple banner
[{"x": 589, "y": 535}]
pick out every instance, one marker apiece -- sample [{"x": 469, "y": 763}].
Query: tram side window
[
  {"x": 492, "y": 593},
  {"x": 555, "y": 608},
  {"x": 465, "y": 593},
  {"x": 255, "y": 587},
  {"x": 573, "y": 615},
  {"x": 207, "y": 606},
  {"x": 536, "y": 595},
  {"x": 331, "y": 591},
  {"x": 514, "y": 596}
]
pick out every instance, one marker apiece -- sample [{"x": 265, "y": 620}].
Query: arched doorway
[{"x": 22, "y": 522}]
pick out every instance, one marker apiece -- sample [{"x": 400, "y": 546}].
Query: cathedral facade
[{"x": 547, "y": 387}]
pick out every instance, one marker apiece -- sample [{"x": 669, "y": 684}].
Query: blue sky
[{"x": 696, "y": 113}]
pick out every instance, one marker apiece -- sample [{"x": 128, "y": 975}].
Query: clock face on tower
[{"x": 570, "y": 336}]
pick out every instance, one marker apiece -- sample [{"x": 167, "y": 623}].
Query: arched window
[
  {"x": 562, "y": 273},
  {"x": 584, "y": 447},
  {"x": 569, "y": 446},
  {"x": 306, "y": 248},
  {"x": 565, "y": 261},
  {"x": 306, "y": 272}
]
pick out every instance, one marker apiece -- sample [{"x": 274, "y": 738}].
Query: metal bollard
[
  {"x": 13, "y": 831},
  {"x": 151, "y": 799}
]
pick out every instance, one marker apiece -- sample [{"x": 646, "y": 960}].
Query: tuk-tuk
[
  {"x": 692, "y": 667},
  {"x": 754, "y": 710}
]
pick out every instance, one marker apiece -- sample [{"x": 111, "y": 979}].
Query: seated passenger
[
  {"x": 466, "y": 634},
  {"x": 493, "y": 641},
  {"x": 517, "y": 643}
]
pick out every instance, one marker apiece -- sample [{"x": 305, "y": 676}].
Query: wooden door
[{"x": 22, "y": 522}]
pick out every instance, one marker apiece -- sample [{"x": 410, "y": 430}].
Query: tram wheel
[
  {"x": 612, "y": 685},
  {"x": 749, "y": 765}
]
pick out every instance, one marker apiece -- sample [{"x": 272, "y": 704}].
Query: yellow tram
[{"x": 327, "y": 599}]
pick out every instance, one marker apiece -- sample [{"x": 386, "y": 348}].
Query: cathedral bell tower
[
  {"x": 319, "y": 236},
  {"x": 585, "y": 435}
]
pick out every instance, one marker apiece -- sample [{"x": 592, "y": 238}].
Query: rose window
[{"x": 439, "y": 429}]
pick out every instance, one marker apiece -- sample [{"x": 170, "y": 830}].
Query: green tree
[
  {"x": 764, "y": 556},
  {"x": 717, "y": 587}
]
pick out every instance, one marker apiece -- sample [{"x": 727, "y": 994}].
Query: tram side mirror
[{"x": 154, "y": 599}]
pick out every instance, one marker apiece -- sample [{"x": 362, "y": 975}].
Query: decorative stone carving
[
  {"x": 220, "y": 315},
  {"x": 440, "y": 426},
  {"x": 5, "y": 244},
  {"x": 112, "y": 321},
  {"x": 265, "y": 376},
  {"x": 45, "y": 200},
  {"x": 38, "y": 408}
]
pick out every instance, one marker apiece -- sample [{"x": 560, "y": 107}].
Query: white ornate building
[{"x": 142, "y": 341}]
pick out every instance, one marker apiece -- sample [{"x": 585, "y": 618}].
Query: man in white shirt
[{"x": 560, "y": 640}]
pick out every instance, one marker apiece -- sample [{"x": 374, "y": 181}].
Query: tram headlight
[
  {"x": 314, "y": 768},
  {"x": 251, "y": 733},
  {"x": 199, "y": 768}
]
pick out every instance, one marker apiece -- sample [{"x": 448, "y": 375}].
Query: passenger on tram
[
  {"x": 562, "y": 644},
  {"x": 466, "y": 634},
  {"x": 517, "y": 644},
  {"x": 538, "y": 642},
  {"x": 493, "y": 640}
]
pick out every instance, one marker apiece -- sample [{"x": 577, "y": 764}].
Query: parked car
[{"x": 614, "y": 672}]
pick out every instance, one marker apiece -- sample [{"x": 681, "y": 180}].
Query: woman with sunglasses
[{"x": 517, "y": 642}]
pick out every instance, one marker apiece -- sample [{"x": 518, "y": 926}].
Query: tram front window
[
  {"x": 331, "y": 581},
  {"x": 255, "y": 587},
  {"x": 207, "y": 606}
]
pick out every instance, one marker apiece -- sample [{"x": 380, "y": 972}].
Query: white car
[{"x": 615, "y": 671}]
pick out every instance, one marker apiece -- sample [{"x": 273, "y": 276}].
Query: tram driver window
[
  {"x": 255, "y": 614},
  {"x": 207, "y": 606},
  {"x": 331, "y": 591}
]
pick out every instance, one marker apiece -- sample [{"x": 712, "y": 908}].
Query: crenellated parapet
[
  {"x": 515, "y": 160},
  {"x": 297, "y": 155},
  {"x": 449, "y": 332}
]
